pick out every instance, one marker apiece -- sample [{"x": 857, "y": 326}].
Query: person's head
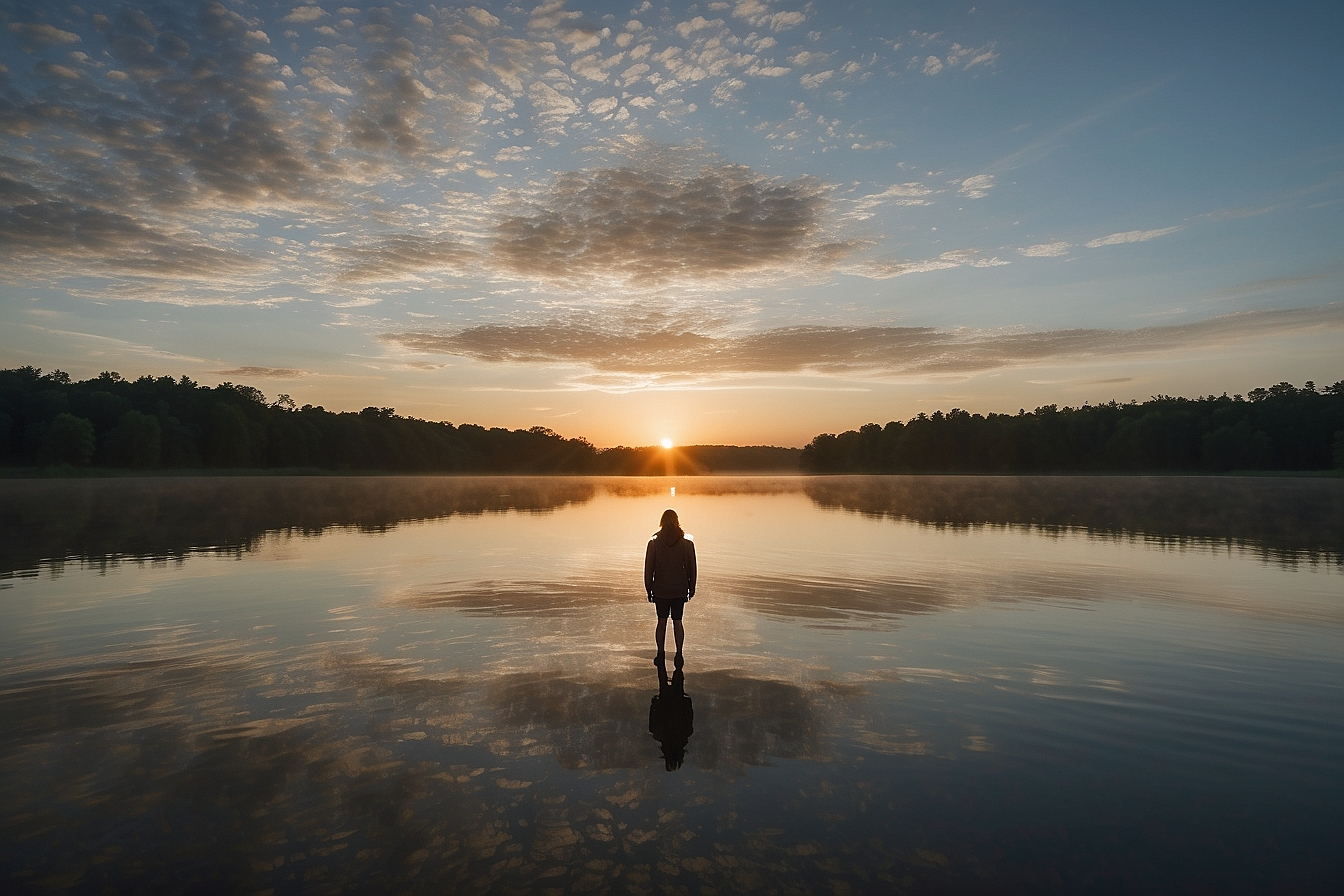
[{"x": 669, "y": 520}]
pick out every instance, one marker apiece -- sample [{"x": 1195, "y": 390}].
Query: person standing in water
[{"x": 669, "y": 578}]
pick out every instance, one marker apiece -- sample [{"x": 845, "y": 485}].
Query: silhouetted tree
[
  {"x": 134, "y": 441},
  {"x": 1279, "y": 428},
  {"x": 230, "y": 441},
  {"x": 67, "y": 439}
]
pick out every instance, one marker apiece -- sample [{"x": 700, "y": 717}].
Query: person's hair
[{"x": 669, "y": 519}]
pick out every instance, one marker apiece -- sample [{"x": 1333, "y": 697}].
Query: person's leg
[
  {"x": 678, "y": 632},
  {"x": 664, "y": 608}
]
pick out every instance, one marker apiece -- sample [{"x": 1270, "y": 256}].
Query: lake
[{"x": 892, "y": 684}]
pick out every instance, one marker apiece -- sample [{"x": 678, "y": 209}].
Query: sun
[{"x": 666, "y": 443}]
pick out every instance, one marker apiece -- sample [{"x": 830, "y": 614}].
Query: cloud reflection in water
[
  {"x": 896, "y": 681},
  {"x": 339, "y": 772}
]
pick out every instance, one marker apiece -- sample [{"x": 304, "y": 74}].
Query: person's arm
[
  {"x": 690, "y": 569},
  {"x": 648, "y": 570}
]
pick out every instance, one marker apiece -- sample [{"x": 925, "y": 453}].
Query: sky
[{"x": 742, "y": 222}]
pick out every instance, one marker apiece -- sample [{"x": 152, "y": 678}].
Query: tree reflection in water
[
  {"x": 49, "y": 522},
  {"x": 894, "y": 692}
]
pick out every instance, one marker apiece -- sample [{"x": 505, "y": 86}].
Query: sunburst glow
[{"x": 666, "y": 443}]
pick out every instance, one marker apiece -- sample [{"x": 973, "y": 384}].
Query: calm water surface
[{"x": 891, "y": 684}]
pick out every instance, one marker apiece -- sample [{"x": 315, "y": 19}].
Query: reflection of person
[
  {"x": 671, "y": 717},
  {"x": 669, "y": 577}
]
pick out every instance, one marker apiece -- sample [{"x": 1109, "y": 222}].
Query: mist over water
[{"x": 898, "y": 683}]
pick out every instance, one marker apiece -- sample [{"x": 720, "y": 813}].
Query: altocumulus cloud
[
  {"x": 647, "y": 346},
  {"x": 161, "y": 146},
  {"x": 274, "y": 373},
  {"x": 50, "y": 233},
  {"x": 118, "y": 178},
  {"x": 403, "y": 257},
  {"x": 630, "y": 226},
  {"x": 652, "y": 227},
  {"x": 638, "y": 225}
]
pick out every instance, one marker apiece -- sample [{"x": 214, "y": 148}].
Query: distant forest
[
  {"x": 1279, "y": 428},
  {"x": 47, "y": 420}
]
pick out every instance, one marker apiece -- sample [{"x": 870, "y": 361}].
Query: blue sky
[{"x": 743, "y": 222}]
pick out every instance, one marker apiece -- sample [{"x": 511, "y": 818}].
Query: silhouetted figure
[
  {"x": 669, "y": 577},
  {"x": 671, "y": 717}
]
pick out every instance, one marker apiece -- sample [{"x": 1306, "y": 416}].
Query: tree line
[
  {"x": 1278, "y": 428},
  {"x": 49, "y": 420}
]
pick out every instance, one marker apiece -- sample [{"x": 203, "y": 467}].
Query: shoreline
[{"x": 57, "y": 473}]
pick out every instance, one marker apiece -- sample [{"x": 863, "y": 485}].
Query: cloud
[
  {"x": 656, "y": 347},
  {"x": 897, "y": 194},
  {"x": 632, "y": 74},
  {"x": 594, "y": 66},
  {"x": 699, "y": 23},
  {"x": 391, "y": 96},
  {"x": 658, "y": 223},
  {"x": 679, "y": 218},
  {"x": 271, "y": 373},
  {"x": 1131, "y": 236},
  {"x": 603, "y": 105},
  {"x": 59, "y": 71},
  {"x": 955, "y": 258},
  {"x": 513, "y": 154},
  {"x": 198, "y": 123},
  {"x": 120, "y": 345},
  {"x": 323, "y": 84},
  {"x": 565, "y": 25},
  {"x": 807, "y": 57},
  {"x": 305, "y": 14},
  {"x": 401, "y": 258},
  {"x": 932, "y": 65},
  {"x": 481, "y": 17},
  {"x": 553, "y": 108},
  {"x": 813, "y": 81},
  {"x": 976, "y": 187},
  {"x": 362, "y": 302},
  {"x": 759, "y": 15},
  {"x": 42, "y": 33},
  {"x": 965, "y": 57},
  {"x": 53, "y": 234},
  {"x": 724, "y": 92},
  {"x": 1047, "y": 250},
  {"x": 679, "y": 66}
]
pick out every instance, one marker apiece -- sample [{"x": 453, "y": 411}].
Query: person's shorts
[{"x": 673, "y": 608}]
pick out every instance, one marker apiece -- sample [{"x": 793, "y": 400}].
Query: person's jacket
[{"x": 669, "y": 566}]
